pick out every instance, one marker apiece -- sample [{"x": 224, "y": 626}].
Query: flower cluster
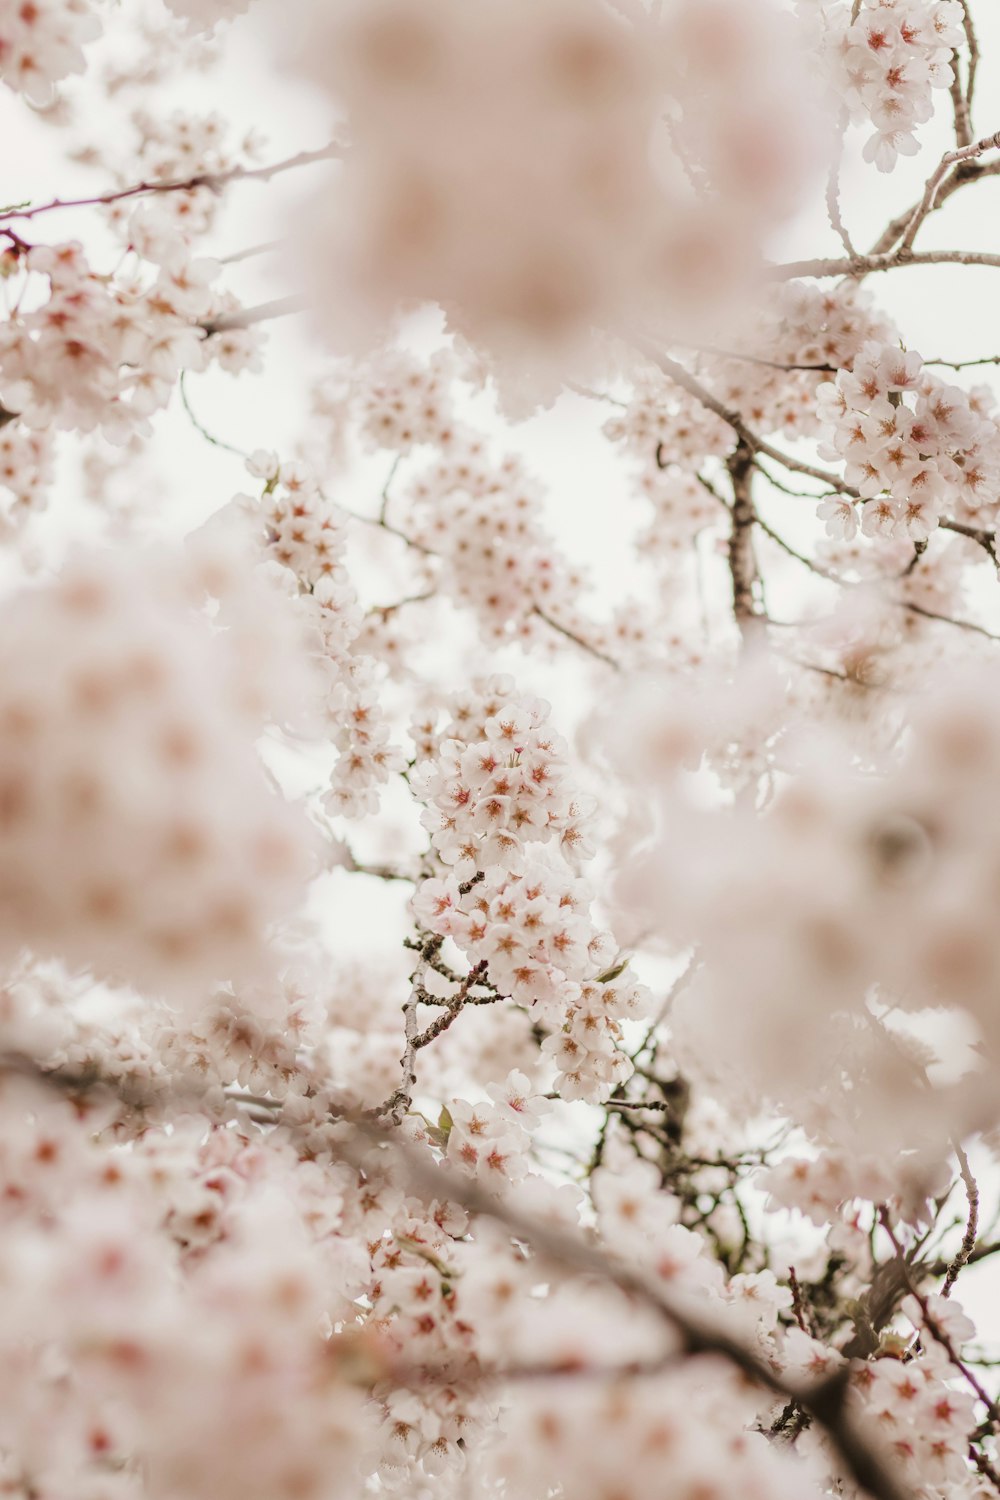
[
  {"x": 307, "y": 535},
  {"x": 155, "y": 1356},
  {"x": 496, "y": 784},
  {"x": 801, "y": 326},
  {"x": 415, "y": 1305},
  {"x": 914, "y": 1405},
  {"x": 661, "y": 418},
  {"x": 178, "y": 147},
  {"x": 481, "y": 519},
  {"x": 912, "y": 465},
  {"x": 795, "y": 339},
  {"x": 490, "y": 1141},
  {"x": 401, "y": 401},
  {"x": 42, "y": 42},
  {"x": 600, "y": 1438},
  {"x": 497, "y": 780},
  {"x": 877, "y": 908},
  {"x": 100, "y": 353},
  {"x": 886, "y": 57}
]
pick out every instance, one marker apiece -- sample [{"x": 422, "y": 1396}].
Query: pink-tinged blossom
[
  {"x": 912, "y": 465},
  {"x": 42, "y": 42},
  {"x": 883, "y": 60}
]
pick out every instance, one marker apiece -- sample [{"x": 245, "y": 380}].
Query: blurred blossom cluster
[
  {"x": 138, "y": 833},
  {"x": 547, "y": 171},
  {"x": 42, "y": 42}
]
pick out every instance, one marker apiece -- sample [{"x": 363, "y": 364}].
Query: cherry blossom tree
[{"x": 499, "y": 873}]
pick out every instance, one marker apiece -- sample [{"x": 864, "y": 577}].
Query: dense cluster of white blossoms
[
  {"x": 885, "y": 58},
  {"x": 105, "y": 353},
  {"x": 498, "y": 945},
  {"x": 910, "y": 464},
  {"x": 496, "y": 785},
  {"x": 798, "y": 336},
  {"x": 307, "y": 535}
]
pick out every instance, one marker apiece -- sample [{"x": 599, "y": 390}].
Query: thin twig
[
  {"x": 833, "y": 188},
  {"x": 578, "y": 640},
  {"x": 399, "y": 1101},
  {"x": 215, "y": 181},
  {"x": 930, "y": 614},
  {"x": 208, "y": 436},
  {"x": 239, "y": 255},
  {"x": 456, "y": 1004},
  {"x": 934, "y": 181}
]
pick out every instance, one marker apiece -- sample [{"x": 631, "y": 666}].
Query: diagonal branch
[
  {"x": 750, "y": 439},
  {"x": 825, "y": 1401},
  {"x": 934, "y": 181},
  {"x": 215, "y": 181}
]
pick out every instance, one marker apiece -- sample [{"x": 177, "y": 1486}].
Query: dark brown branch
[
  {"x": 972, "y": 1225},
  {"x": 825, "y": 1401},
  {"x": 455, "y": 1005},
  {"x": 682, "y": 377},
  {"x": 977, "y": 534},
  {"x": 742, "y": 562}
]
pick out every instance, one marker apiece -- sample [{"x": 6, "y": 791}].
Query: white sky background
[{"x": 942, "y": 311}]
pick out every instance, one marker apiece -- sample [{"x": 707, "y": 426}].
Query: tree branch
[
  {"x": 215, "y": 181},
  {"x": 825, "y": 1400},
  {"x": 682, "y": 377},
  {"x": 742, "y": 563},
  {"x": 934, "y": 181}
]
